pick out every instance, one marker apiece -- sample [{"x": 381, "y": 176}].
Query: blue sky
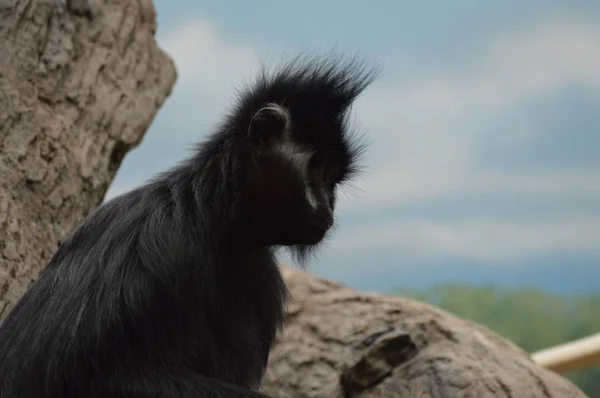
[{"x": 484, "y": 163}]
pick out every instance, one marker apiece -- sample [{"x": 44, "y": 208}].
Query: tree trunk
[
  {"x": 80, "y": 82},
  {"x": 341, "y": 343}
]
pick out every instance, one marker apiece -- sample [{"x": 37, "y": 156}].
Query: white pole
[{"x": 577, "y": 354}]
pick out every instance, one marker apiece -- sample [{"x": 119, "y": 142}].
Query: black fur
[{"x": 172, "y": 289}]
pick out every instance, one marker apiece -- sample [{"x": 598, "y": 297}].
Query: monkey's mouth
[
  {"x": 316, "y": 231},
  {"x": 313, "y": 236}
]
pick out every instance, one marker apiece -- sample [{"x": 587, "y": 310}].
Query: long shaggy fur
[{"x": 158, "y": 293}]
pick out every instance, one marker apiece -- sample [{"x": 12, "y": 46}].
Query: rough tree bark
[
  {"x": 80, "y": 82},
  {"x": 341, "y": 343}
]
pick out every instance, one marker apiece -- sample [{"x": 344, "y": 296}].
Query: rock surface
[
  {"x": 341, "y": 343},
  {"x": 80, "y": 82}
]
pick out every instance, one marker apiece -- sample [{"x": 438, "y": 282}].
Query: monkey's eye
[
  {"x": 330, "y": 175},
  {"x": 325, "y": 169}
]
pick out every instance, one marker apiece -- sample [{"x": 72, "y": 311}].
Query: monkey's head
[{"x": 301, "y": 150}]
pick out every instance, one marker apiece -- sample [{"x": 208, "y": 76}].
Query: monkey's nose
[
  {"x": 328, "y": 220},
  {"x": 316, "y": 226},
  {"x": 322, "y": 220}
]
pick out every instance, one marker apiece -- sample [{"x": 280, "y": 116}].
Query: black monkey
[{"x": 172, "y": 289}]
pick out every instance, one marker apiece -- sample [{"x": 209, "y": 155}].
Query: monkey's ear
[{"x": 268, "y": 124}]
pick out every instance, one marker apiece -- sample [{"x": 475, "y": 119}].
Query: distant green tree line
[{"x": 531, "y": 318}]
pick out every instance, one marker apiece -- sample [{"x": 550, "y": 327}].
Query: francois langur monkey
[{"x": 172, "y": 289}]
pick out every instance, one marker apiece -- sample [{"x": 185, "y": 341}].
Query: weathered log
[
  {"x": 341, "y": 343},
  {"x": 80, "y": 82}
]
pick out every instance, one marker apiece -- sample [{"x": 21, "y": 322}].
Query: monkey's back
[{"x": 136, "y": 290}]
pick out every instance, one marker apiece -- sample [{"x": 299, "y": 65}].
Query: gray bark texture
[
  {"x": 80, "y": 82},
  {"x": 338, "y": 343}
]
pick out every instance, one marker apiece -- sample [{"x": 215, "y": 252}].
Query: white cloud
[
  {"x": 205, "y": 59},
  {"x": 532, "y": 61},
  {"x": 423, "y": 148},
  {"x": 423, "y": 137},
  {"x": 209, "y": 69},
  {"x": 395, "y": 188},
  {"x": 550, "y": 55},
  {"x": 562, "y": 185},
  {"x": 486, "y": 241}
]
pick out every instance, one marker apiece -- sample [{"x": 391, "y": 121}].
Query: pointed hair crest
[{"x": 309, "y": 85}]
